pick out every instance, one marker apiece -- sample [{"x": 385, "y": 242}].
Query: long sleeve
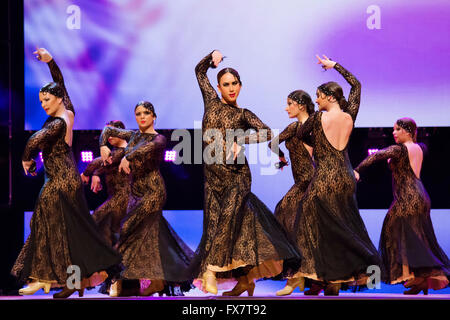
[
  {"x": 46, "y": 136},
  {"x": 305, "y": 130},
  {"x": 286, "y": 134},
  {"x": 93, "y": 166},
  {"x": 114, "y": 132},
  {"x": 354, "y": 97},
  {"x": 147, "y": 148},
  {"x": 263, "y": 132},
  {"x": 392, "y": 152},
  {"x": 58, "y": 78},
  {"x": 206, "y": 88}
]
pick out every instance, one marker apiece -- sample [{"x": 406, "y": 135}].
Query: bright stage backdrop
[{"x": 114, "y": 53}]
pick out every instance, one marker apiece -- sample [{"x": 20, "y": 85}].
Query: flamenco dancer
[
  {"x": 334, "y": 241},
  {"x": 408, "y": 245},
  {"x": 241, "y": 238},
  {"x": 63, "y": 232},
  {"x": 109, "y": 215},
  {"x": 150, "y": 248},
  {"x": 299, "y": 106}
]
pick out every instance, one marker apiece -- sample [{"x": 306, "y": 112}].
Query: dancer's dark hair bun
[
  {"x": 54, "y": 89},
  {"x": 147, "y": 105},
  {"x": 221, "y": 73},
  {"x": 304, "y": 99},
  {"x": 332, "y": 89}
]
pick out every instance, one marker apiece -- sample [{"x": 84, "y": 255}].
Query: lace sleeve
[
  {"x": 114, "y": 132},
  {"x": 392, "y": 152},
  {"x": 304, "y": 131},
  {"x": 148, "y": 149},
  {"x": 263, "y": 132},
  {"x": 354, "y": 97},
  {"x": 286, "y": 134},
  {"x": 58, "y": 78},
  {"x": 93, "y": 166},
  {"x": 44, "y": 137},
  {"x": 208, "y": 92}
]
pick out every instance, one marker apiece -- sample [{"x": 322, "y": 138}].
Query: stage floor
[{"x": 264, "y": 291}]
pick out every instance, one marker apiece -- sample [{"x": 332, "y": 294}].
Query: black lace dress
[
  {"x": 151, "y": 249},
  {"x": 111, "y": 212},
  {"x": 63, "y": 232},
  {"x": 333, "y": 239},
  {"x": 408, "y": 245},
  {"x": 240, "y": 234},
  {"x": 302, "y": 170}
]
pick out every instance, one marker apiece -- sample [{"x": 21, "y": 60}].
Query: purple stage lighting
[
  {"x": 40, "y": 157},
  {"x": 87, "y": 156},
  {"x": 170, "y": 156},
  {"x": 372, "y": 151}
]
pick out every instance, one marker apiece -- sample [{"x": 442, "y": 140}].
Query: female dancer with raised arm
[
  {"x": 109, "y": 215},
  {"x": 408, "y": 245},
  {"x": 63, "y": 233},
  {"x": 150, "y": 248},
  {"x": 300, "y": 106},
  {"x": 334, "y": 241},
  {"x": 241, "y": 238}
]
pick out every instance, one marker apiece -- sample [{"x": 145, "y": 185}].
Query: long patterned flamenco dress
[
  {"x": 63, "y": 232},
  {"x": 333, "y": 239},
  {"x": 151, "y": 249},
  {"x": 408, "y": 245},
  {"x": 241, "y": 237}
]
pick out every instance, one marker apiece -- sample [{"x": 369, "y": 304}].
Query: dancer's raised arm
[
  {"x": 354, "y": 97},
  {"x": 43, "y": 55},
  {"x": 211, "y": 60}
]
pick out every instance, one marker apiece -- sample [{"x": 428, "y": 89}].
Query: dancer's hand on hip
[
  {"x": 26, "y": 167},
  {"x": 124, "y": 166},
  {"x": 84, "y": 179}
]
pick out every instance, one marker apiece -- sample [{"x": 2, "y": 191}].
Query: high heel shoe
[
  {"x": 66, "y": 292},
  {"x": 34, "y": 287},
  {"x": 315, "y": 289},
  {"x": 210, "y": 282},
  {"x": 291, "y": 285},
  {"x": 115, "y": 289},
  {"x": 154, "y": 287},
  {"x": 417, "y": 287},
  {"x": 240, "y": 287},
  {"x": 332, "y": 289}
]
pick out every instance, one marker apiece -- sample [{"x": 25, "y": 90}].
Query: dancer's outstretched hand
[
  {"x": 217, "y": 58},
  {"x": 325, "y": 62},
  {"x": 43, "y": 55},
  {"x": 124, "y": 166}
]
